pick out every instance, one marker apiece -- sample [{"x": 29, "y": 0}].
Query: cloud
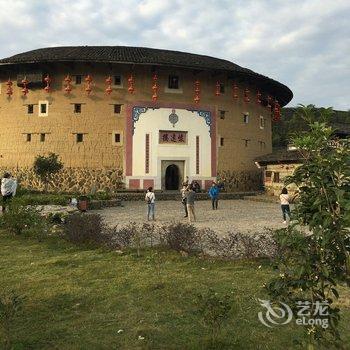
[{"x": 304, "y": 44}]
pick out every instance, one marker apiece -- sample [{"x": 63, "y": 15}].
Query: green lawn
[{"x": 80, "y": 298}]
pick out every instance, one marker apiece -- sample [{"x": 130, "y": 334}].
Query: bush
[
  {"x": 45, "y": 167},
  {"x": 86, "y": 229},
  {"x": 214, "y": 310},
  {"x": 24, "y": 220},
  {"x": 237, "y": 245},
  {"x": 181, "y": 237}
]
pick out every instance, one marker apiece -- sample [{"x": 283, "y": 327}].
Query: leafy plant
[
  {"x": 214, "y": 309},
  {"x": 315, "y": 249},
  {"x": 45, "y": 167},
  {"x": 24, "y": 220},
  {"x": 10, "y": 304}
]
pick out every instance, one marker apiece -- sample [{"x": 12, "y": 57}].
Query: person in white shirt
[
  {"x": 284, "y": 198},
  {"x": 150, "y": 200},
  {"x": 8, "y": 189}
]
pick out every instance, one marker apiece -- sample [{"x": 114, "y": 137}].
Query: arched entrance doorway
[{"x": 172, "y": 177}]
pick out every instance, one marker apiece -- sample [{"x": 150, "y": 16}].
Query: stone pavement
[{"x": 233, "y": 215}]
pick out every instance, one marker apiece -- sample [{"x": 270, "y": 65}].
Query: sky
[{"x": 302, "y": 44}]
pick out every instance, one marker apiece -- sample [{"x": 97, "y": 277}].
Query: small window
[
  {"x": 77, "y": 79},
  {"x": 173, "y": 82},
  {"x": 80, "y": 137},
  {"x": 117, "y": 138},
  {"x": 42, "y": 137},
  {"x": 30, "y": 109},
  {"x": 262, "y": 122},
  {"x": 29, "y": 137},
  {"x": 276, "y": 177},
  {"x": 221, "y": 141},
  {"x": 77, "y": 107},
  {"x": 245, "y": 118},
  {"x": 246, "y": 142},
  {"x": 268, "y": 175},
  {"x": 117, "y": 80},
  {"x": 222, "y": 88},
  {"x": 117, "y": 109},
  {"x": 43, "y": 108},
  {"x": 262, "y": 144},
  {"x": 222, "y": 114}
]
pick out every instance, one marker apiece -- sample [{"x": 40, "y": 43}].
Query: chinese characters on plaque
[{"x": 179, "y": 137}]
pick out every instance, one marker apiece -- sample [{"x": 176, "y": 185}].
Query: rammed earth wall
[{"x": 71, "y": 180}]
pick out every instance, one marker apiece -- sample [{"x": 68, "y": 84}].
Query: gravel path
[{"x": 232, "y": 215}]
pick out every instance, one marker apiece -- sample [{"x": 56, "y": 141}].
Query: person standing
[
  {"x": 284, "y": 198},
  {"x": 214, "y": 195},
  {"x": 190, "y": 196},
  {"x": 8, "y": 189},
  {"x": 150, "y": 199},
  {"x": 183, "y": 198}
]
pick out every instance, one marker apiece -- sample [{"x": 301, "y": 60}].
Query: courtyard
[{"x": 246, "y": 216}]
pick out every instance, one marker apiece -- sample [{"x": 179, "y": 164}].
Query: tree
[
  {"x": 315, "y": 248},
  {"x": 45, "y": 167}
]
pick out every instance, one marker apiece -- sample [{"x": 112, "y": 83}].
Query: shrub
[
  {"x": 239, "y": 245},
  {"x": 180, "y": 237},
  {"x": 86, "y": 229},
  {"x": 315, "y": 247},
  {"x": 45, "y": 167},
  {"x": 214, "y": 309},
  {"x": 24, "y": 220}
]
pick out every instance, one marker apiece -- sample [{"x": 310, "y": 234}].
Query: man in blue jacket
[{"x": 214, "y": 195}]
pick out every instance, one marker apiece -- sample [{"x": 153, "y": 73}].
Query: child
[
  {"x": 150, "y": 199},
  {"x": 284, "y": 198},
  {"x": 8, "y": 189}
]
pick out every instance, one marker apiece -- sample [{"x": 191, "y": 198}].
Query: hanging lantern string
[
  {"x": 109, "y": 85},
  {"x": 155, "y": 87},
  {"x": 197, "y": 91},
  {"x": 9, "y": 90},
  {"x": 88, "y": 80},
  {"x": 47, "y": 80},
  {"x": 131, "y": 88},
  {"x": 67, "y": 84},
  {"x": 25, "y": 82}
]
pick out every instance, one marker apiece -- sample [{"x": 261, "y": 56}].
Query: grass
[{"x": 79, "y": 298}]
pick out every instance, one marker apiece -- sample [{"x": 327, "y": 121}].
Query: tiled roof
[
  {"x": 148, "y": 56},
  {"x": 280, "y": 156}
]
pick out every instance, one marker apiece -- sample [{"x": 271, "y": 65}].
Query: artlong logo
[{"x": 274, "y": 315}]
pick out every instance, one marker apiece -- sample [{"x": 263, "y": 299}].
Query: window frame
[
  {"x": 46, "y": 113},
  {"x": 78, "y": 136}
]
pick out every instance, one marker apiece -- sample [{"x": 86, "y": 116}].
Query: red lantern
[
  {"x": 155, "y": 87},
  {"x": 47, "y": 80},
  {"x": 197, "y": 91},
  {"x": 88, "y": 80},
  {"x": 268, "y": 102},
  {"x": 67, "y": 82},
  {"x": 246, "y": 95},
  {"x": 258, "y": 97},
  {"x": 9, "y": 90},
  {"x": 109, "y": 85},
  {"x": 277, "y": 112},
  {"x": 131, "y": 88},
  {"x": 217, "y": 91},
  {"x": 25, "y": 89},
  {"x": 235, "y": 91}
]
